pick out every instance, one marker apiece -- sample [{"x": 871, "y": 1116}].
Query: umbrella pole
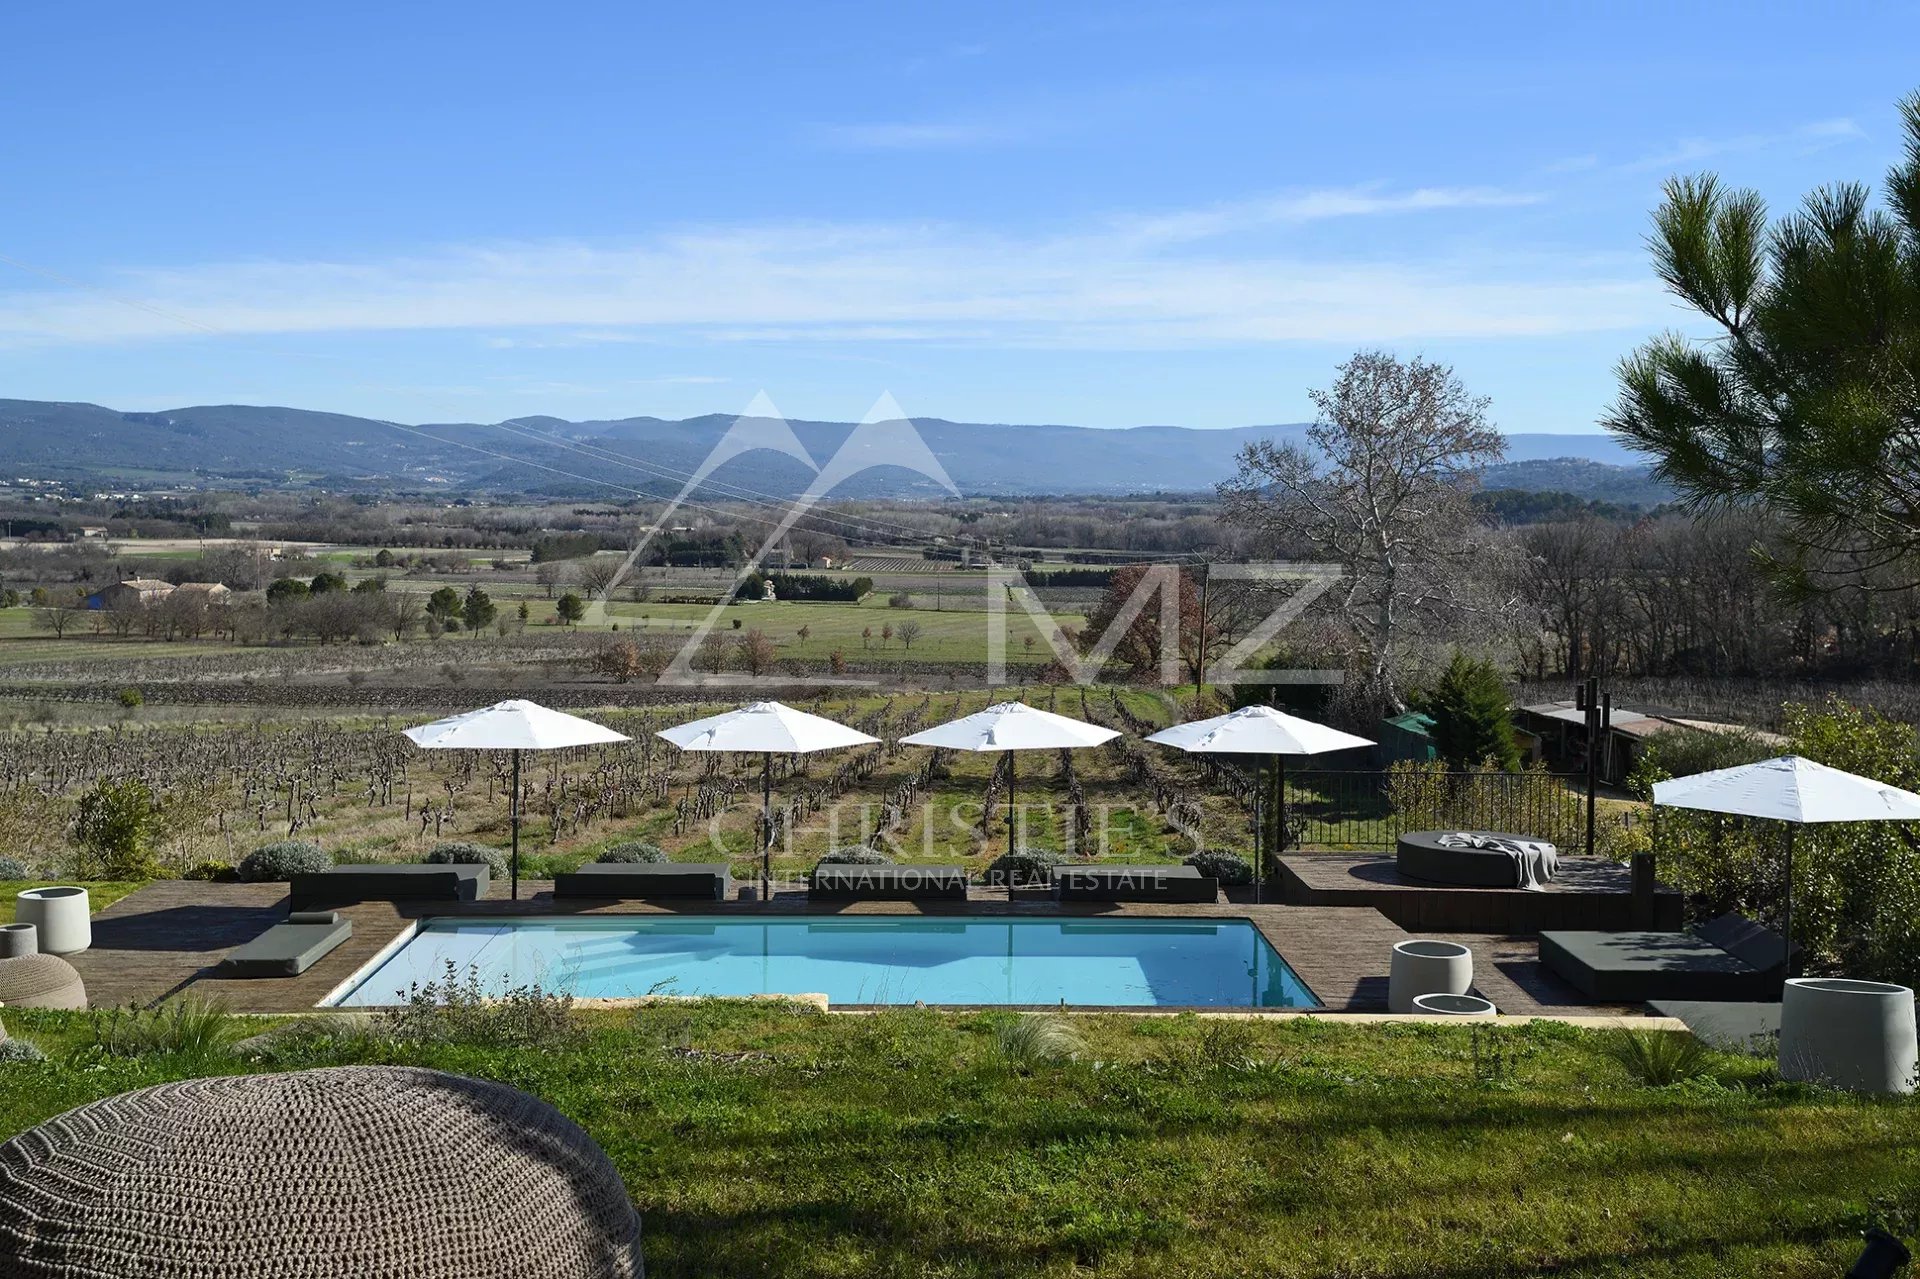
[
  {"x": 514, "y": 810},
  {"x": 1013, "y": 809},
  {"x": 1787, "y": 924},
  {"x": 766, "y": 825},
  {"x": 1259, "y": 828}
]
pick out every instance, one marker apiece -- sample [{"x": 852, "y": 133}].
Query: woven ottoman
[
  {"x": 41, "y": 981},
  {"x": 361, "y": 1172}
]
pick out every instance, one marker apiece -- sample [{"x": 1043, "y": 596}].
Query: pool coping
[{"x": 1198, "y": 911}]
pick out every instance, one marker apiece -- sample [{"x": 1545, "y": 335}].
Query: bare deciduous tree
[
  {"x": 1382, "y": 488},
  {"x": 597, "y": 573}
]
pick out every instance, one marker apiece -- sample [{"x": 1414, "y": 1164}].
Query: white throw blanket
[{"x": 1534, "y": 861}]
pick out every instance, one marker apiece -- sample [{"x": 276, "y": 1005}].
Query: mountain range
[{"x": 245, "y": 445}]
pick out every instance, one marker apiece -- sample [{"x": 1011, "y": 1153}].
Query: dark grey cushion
[
  {"x": 1756, "y": 944},
  {"x": 289, "y": 949},
  {"x": 848, "y": 881},
  {"x": 1629, "y": 967},
  {"x": 1134, "y": 884},
  {"x": 406, "y": 882},
  {"x": 706, "y": 881}
]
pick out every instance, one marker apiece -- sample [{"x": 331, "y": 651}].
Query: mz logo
[{"x": 886, "y": 437}]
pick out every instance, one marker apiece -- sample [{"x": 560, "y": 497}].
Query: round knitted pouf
[
  {"x": 41, "y": 981},
  {"x": 366, "y": 1172}
]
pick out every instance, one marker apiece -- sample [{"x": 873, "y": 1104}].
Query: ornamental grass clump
[
  {"x": 1658, "y": 1058},
  {"x": 1034, "y": 1039},
  {"x": 185, "y": 1027}
]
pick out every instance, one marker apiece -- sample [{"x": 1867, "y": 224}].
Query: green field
[{"x": 761, "y": 1141}]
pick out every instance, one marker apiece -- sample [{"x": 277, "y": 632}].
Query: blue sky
[{"x": 1108, "y": 214}]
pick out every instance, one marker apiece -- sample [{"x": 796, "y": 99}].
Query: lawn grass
[
  {"x": 903, "y": 1144},
  {"x": 101, "y": 893}
]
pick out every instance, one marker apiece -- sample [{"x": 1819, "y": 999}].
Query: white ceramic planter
[
  {"x": 1454, "y": 1006},
  {"x": 19, "y": 939},
  {"x": 63, "y": 916},
  {"x": 1852, "y": 1034},
  {"x": 1427, "y": 968}
]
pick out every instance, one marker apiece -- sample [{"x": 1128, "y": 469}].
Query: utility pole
[{"x": 1598, "y": 708}]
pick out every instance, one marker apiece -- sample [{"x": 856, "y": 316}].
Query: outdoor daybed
[
  {"x": 1134, "y": 884},
  {"x": 1729, "y": 958},
  {"x": 847, "y": 881},
  {"x": 1475, "y": 859},
  {"x": 343, "y": 885},
  {"x": 644, "y": 881},
  {"x": 289, "y": 949}
]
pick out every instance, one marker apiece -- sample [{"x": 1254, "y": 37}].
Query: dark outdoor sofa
[
  {"x": 289, "y": 949},
  {"x": 1729, "y": 958},
  {"x": 1421, "y": 855},
  {"x": 1134, "y": 884},
  {"x": 344, "y": 885},
  {"x": 645, "y": 881},
  {"x": 837, "y": 881}
]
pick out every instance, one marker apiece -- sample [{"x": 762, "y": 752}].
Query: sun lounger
[
  {"x": 344, "y": 885},
  {"x": 643, "y": 881},
  {"x": 1729, "y": 958},
  {"x": 852, "y": 882},
  {"x": 1134, "y": 884},
  {"x": 289, "y": 949}
]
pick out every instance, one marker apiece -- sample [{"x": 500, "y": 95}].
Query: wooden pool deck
[{"x": 165, "y": 940}]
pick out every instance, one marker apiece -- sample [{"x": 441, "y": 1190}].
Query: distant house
[
  {"x": 131, "y": 593},
  {"x": 93, "y": 533},
  {"x": 1557, "y": 733},
  {"x": 214, "y": 592}
]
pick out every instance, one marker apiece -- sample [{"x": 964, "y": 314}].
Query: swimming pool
[{"x": 1194, "y": 963}]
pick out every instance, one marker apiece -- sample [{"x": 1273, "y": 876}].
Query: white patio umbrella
[
  {"x": 1794, "y": 790},
  {"x": 1011, "y": 726},
  {"x": 516, "y": 726},
  {"x": 765, "y": 729},
  {"x": 1259, "y": 730}
]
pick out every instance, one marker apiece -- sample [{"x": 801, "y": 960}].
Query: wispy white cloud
[
  {"x": 923, "y": 135},
  {"x": 1805, "y": 139},
  {"x": 1222, "y": 275}
]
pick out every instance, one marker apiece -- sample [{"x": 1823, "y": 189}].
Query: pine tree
[{"x": 1472, "y": 718}]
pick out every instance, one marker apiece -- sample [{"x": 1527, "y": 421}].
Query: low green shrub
[
  {"x": 1028, "y": 866},
  {"x": 283, "y": 860},
  {"x": 1228, "y": 868},
  {"x": 212, "y": 872},
  {"x": 460, "y": 852},
  {"x": 14, "y": 868},
  {"x": 633, "y": 852},
  {"x": 458, "y": 1009}
]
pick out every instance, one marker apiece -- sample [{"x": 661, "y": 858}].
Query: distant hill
[{"x": 243, "y": 444}]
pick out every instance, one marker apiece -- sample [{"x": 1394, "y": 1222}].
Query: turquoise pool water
[{"x": 872, "y": 960}]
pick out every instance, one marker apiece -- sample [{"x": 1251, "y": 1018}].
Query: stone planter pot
[
  {"x": 1857, "y": 1035},
  {"x": 1454, "y": 1006},
  {"x": 63, "y": 916},
  {"x": 1427, "y": 968},
  {"x": 19, "y": 939}
]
